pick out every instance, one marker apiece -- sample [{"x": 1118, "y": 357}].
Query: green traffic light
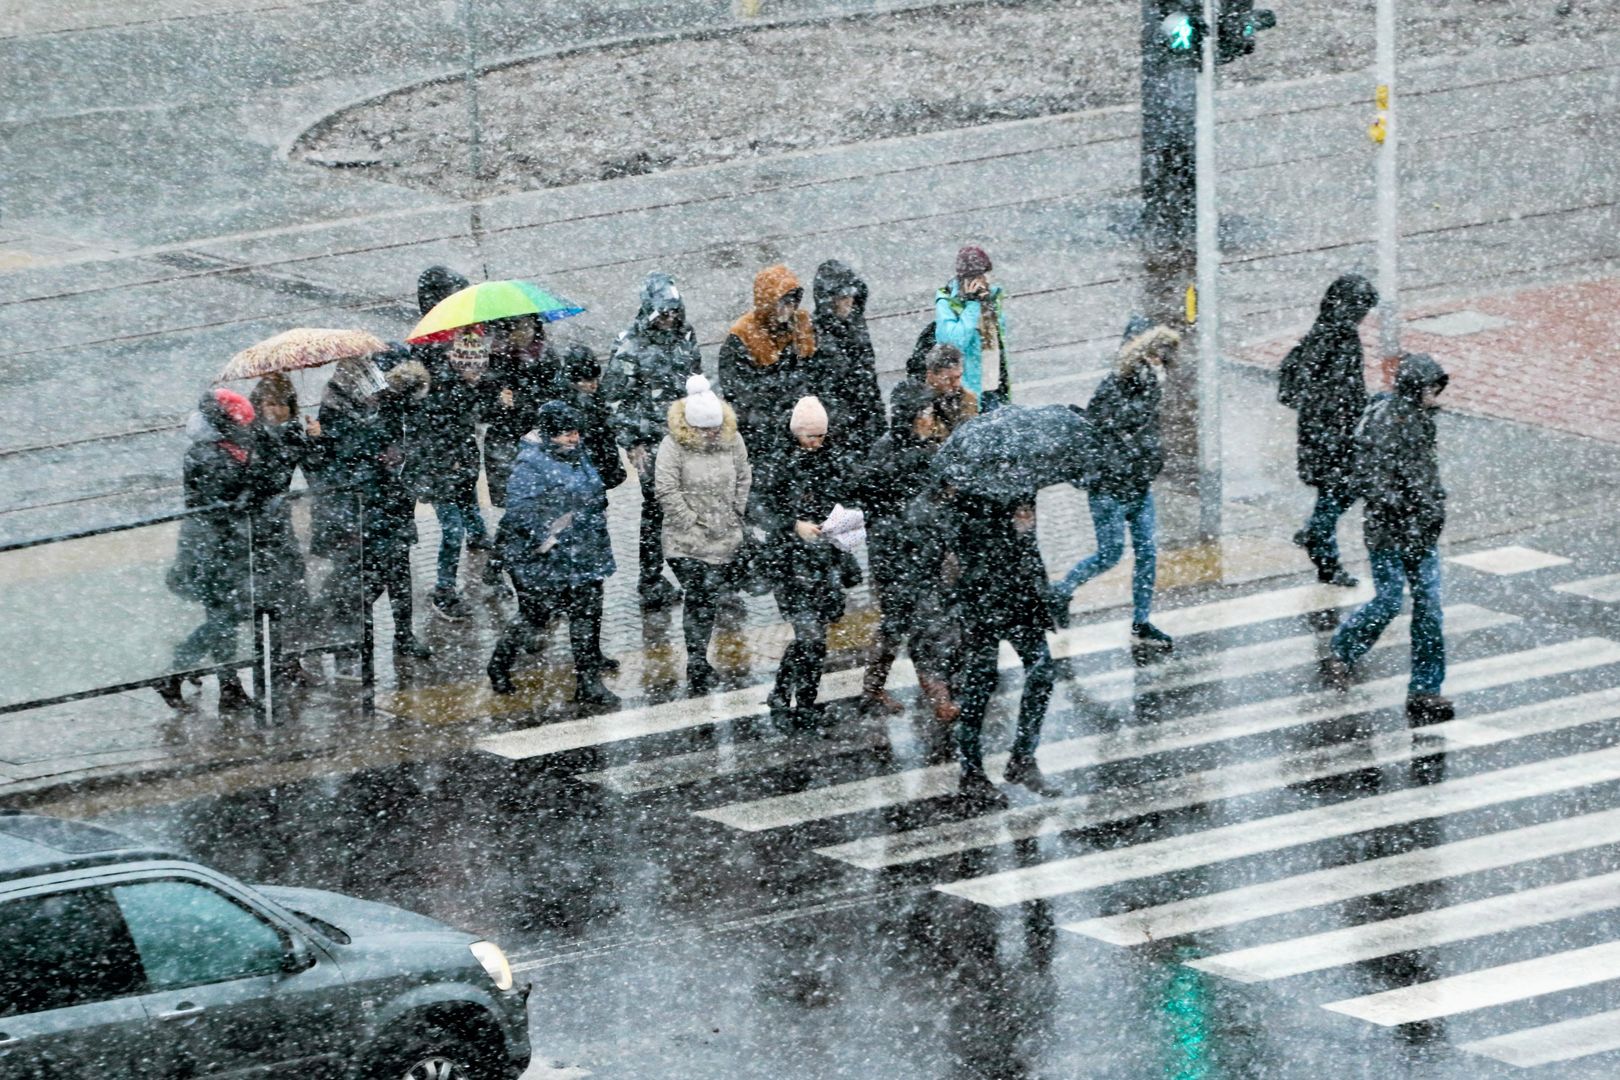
[{"x": 1180, "y": 32}]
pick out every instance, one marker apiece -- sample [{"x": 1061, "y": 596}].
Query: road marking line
[
  {"x": 1286, "y": 830},
  {"x": 1420, "y": 930},
  {"x": 775, "y": 751},
  {"x": 1336, "y": 883},
  {"x": 1563, "y": 1041},
  {"x": 877, "y": 792},
  {"x": 1224, "y": 782},
  {"x": 1490, "y": 986},
  {"x": 1605, "y": 589},
  {"x": 736, "y": 704},
  {"x": 1512, "y": 559}
]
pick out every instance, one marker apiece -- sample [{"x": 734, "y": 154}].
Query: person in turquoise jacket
[{"x": 968, "y": 314}]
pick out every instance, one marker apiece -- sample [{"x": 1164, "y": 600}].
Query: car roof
[{"x": 34, "y": 844}]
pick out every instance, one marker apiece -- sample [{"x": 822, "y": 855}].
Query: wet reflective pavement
[{"x": 1244, "y": 874}]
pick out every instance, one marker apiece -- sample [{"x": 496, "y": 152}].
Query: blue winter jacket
[
  {"x": 956, "y": 322},
  {"x": 546, "y": 484}
]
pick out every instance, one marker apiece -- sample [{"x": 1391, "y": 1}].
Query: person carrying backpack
[
  {"x": 1323, "y": 379},
  {"x": 1398, "y": 474}
]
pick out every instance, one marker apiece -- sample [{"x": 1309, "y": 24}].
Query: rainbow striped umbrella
[
  {"x": 489, "y": 300},
  {"x": 293, "y": 350}
]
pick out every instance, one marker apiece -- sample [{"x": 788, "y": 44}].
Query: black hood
[
  {"x": 1348, "y": 300},
  {"x": 1419, "y": 372},
  {"x": 835, "y": 279},
  {"x": 434, "y": 284}
]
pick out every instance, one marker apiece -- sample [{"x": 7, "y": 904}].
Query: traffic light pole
[
  {"x": 1207, "y": 322},
  {"x": 1168, "y": 92},
  {"x": 1386, "y": 131}
]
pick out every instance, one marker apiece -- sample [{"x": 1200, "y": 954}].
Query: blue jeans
[
  {"x": 1392, "y": 571},
  {"x": 459, "y": 519},
  {"x": 1322, "y": 528},
  {"x": 1110, "y": 517}
]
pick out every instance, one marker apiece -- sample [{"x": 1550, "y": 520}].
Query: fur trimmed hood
[
  {"x": 1134, "y": 350},
  {"x": 691, "y": 438}
]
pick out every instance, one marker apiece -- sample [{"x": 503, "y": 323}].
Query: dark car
[{"x": 119, "y": 960}]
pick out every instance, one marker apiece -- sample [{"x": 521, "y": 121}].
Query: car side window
[
  {"x": 188, "y": 934},
  {"x": 62, "y": 949}
]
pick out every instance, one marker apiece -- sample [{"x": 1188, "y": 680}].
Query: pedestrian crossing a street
[{"x": 1225, "y": 825}]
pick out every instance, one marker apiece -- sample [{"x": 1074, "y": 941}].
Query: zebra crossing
[{"x": 1179, "y": 883}]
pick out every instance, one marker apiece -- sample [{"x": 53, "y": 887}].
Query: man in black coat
[
  {"x": 1398, "y": 473},
  {"x": 1323, "y": 378},
  {"x": 655, "y": 356},
  {"x": 1004, "y": 597}
]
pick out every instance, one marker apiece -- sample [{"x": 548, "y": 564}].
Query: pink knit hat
[
  {"x": 809, "y": 418},
  {"x": 971, "y": 261}
]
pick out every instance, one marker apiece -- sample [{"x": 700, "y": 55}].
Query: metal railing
[{"x": 270, "y": 647}]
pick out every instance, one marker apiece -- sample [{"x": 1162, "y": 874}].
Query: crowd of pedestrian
[{"x": 762, "y": 481}]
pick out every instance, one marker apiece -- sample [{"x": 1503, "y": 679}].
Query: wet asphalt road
[{"x": 1052, "y": 940}]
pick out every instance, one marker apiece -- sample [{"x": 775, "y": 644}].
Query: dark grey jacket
[
  {"x": 1397, "y": 467},
  {"x": 1322, "y": 377},
  {"x": 654, "y": 365}
]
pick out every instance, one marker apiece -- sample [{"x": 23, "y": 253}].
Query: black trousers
[
  {"x": 342, "y": 604},
  {"x": 651, "y": 566},
  {"x": 582, "y": 604},
  {"x": 979, "y": 683},
  {"x": 703, "y": 584}
]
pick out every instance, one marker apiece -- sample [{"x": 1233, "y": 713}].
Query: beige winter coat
[{"x": 702, "y": 488}]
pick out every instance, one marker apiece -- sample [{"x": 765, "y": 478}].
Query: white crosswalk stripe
[
  {"x": 1254, "y": 718},
  {"x": 1113, "y": 685},
  {"x": 1336, "y": 883},
  {"x": 1287, "y": 830},
  {"x": 1196, "y": 788},
  {"x": 1564, "y": 1041},
  {"x": 1490, "y": 986},
  {"x": 1423, "y": 929}
]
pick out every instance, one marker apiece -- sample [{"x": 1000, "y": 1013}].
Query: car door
[
  {"x": 232, "y": 992},
  {"x": 70, "y": 985}
]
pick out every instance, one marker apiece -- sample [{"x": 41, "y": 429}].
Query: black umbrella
[{"x": 1019, "y": 449}]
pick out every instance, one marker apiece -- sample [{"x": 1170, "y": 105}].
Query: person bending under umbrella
[{"x": 554, "y": 543}]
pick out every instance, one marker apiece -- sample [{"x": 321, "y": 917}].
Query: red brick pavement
[{"x": 1555, "y": 365}]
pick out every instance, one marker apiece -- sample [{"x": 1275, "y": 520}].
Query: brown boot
[
  {"x": 937, "y": 692},
  {"x": 876, "y": 701}
]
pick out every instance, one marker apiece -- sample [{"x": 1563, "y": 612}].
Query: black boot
[
  {"x": 1332, "y": 573},
  {"x": 1149, "y": 636},
  {"x": 231, "y": 694},
  {"x": 1026, "y": 773},
  {"x": 700, "y": 677},
  {"x": 975, "y": 788},
  {"x": 170, "y": 693},
  {"x": 589, "y": 692}
]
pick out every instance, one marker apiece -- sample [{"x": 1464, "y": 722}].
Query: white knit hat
[
  {"x": 809, "y": 418},
  {"x": 702, "y": 406}
]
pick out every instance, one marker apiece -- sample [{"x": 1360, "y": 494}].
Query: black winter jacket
[
  {"x": 654, "y": 365},
  {"x": 1323, "y": 378},
  {"x": 805, "y": 487},
  {"x": 843, "y": 370},
  {"x": 1003, "y": 584},
  {"x": 1397, "y": 466},
  {"x": 1125, "y": 412}
]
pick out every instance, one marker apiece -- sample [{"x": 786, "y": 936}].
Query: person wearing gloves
[
  {"x": 843, "y": 370},
  {"x": 702, "y": 483},
  {"x": 1398, "y": 474},
  {"x": 213, "y": 563},
  {"x": 656, "y": 355},
  {"x": 554, "y": 543},
  {"x": 895, "y": 472},
  {"x": 1125, "y": 412},
  {"x": 805, "y": 568},
  {"x": 1323, "y": 377},
  {"x": 579, "y": 386},
  {"x": 763, "y": 365},
  {"x": 968, "y": 314}
]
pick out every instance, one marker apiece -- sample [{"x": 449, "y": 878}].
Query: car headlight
[{"x": 494, "y": 963}]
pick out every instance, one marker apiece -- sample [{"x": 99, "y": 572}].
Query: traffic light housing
[{"x": 1239, "y": 23}]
